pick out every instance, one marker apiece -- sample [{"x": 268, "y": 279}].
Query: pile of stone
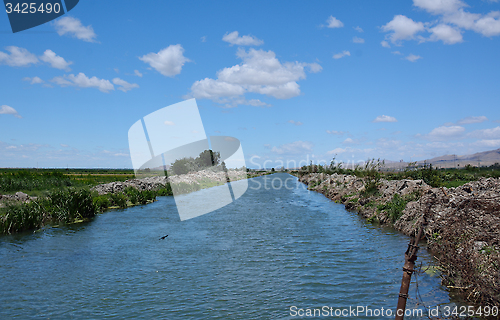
[
  {"x": 462, "y": 224},
  {"x": 151, "y": 183}
]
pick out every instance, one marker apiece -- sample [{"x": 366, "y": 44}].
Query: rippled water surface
[{"x": 253, "y": 259}]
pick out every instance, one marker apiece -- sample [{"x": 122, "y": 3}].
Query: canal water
[{"x": 278, "y": 252}]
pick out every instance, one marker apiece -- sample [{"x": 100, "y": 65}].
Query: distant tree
[
  {"x": 182, "y": 166},
  {"x": 208, "y": 158}
]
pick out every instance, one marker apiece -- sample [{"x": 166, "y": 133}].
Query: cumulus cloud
[
  {"x": 439, "y": 6},
  {"x": 234, "y": 39},
  {"x": 297, "y": 123},
  {"x": 334, "y": 22},
  {"x": 493, "y": 133},
  {"x": 453, "y": 11},
  {"x": 168, "y": 61},
  {"x": 446, "y": 132},
  {"x": 445, "y": 33},
  {"x": 358, "y": 29},
  {"x": 55, "y": 61},
  {"x": 17, "y": 57},
  {"x": 297, "y": 147},
  {"x": 341, "y": 54},
  {"x": 137, "y": 73},
  {"x": 385, "y": 44},
  {"x": 384, "y": 118},
  {"x": 34, "y": 80},
  {"x": 471, "y": 119},
  {"x": 349, "y": 141},
  {"x": 73, "y": 27},
  {"x": 82, "y": 81},
  {"x": 260, "y": 72},
  {"x": 5, "y": 109},
  {"x": 169, "y": 123},
  {"x": 358, "y": 40},
  {"x": 124, "y": 85},
  {"x": 402, "y": 28},
  {"x": 488, "y": 143},
  {"x": 412, "y": 58}
]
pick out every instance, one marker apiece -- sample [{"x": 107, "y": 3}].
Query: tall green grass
[
  {"x": 35, "y": 182},
  {"x": 70, "y": 205}
]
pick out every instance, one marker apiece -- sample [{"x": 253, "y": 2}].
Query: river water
[{"x": 267, "y": 255}]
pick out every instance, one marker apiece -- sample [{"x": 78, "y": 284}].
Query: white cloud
[
  {"x": 493, "y": 133},
  {"x": 337, "y": 150},
  {"x": 396, "y": 52},
  {"x": 335, "y": 132},
  {"x": 334, "y": 22},
  {"x": 488, "y": 25},
  {"x": 124, "y": 85},
  {"x": 452, "y": 11},
  {"x": 445, "y": 33},
  {"x": 402, "y": 28},
  {"x": 385, "y": 44},
  {"x": 204, "y": 39},
  {"x": 168, "y": 61},
  {"x": 348, "y": 141},
  {"x": 169, "y": 123},
  {"x": 358, "y": 29},
  {"x": 260, "y": 72},
  {"x": 18, "y": 57},
  {"x": 488, "y": 143},
  {"x": 234, "y": 39},
  {"x": 341, "y": 54},
  {"x": 73, "y": 27},
  {"x": 446, "y": 132},
  {"x": 384, "y": 118},
  {"x": 439, "y": 6},
  {"x": 5, "y": 109},
  {"x": 297, "y": 147},
  {"x": 82, "y": 81},
  {"x": 297, "y": 123},
  {"x": 137, "y": 73},
  {"x": 412, "y": 58},
  {"x": 214, "y": 89},
  {"x": 358, "y": 40},
  {"x": 34, "y": 80},
  {"x": 55, "y": 61},
  {"x": 471, "y": 119}
]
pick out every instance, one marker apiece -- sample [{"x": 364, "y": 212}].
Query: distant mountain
[
  {"x": 485, "y": 158},
  {"x": 480, "y": 158}
]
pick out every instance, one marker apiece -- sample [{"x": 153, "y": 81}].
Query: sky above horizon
[{"x": 293, "y": 81}]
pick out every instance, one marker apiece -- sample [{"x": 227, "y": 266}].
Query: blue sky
[{"x": 292, "y": 80}]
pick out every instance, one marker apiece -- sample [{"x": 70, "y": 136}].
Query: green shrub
[
  {"x": 102, "y": 202},
  {"x": 119, "y": 200},
  {"x": 395, "y": 207}
]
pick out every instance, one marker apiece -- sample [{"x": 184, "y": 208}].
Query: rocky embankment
[
  {"x": 151, "y": 183},
  {"x": 462, "y": 225}
]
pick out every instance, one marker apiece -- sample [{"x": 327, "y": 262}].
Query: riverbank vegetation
[
  {"x": 64, "y": 196},
  {"x": 373, "y": 170},
  {"x": 459, "y": 209},
  {"x": 36, "y": 182}
]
